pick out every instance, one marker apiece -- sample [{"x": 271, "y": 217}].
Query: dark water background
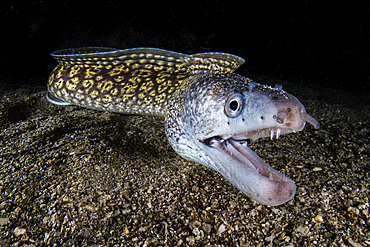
[{"x": 316, "y": 42}]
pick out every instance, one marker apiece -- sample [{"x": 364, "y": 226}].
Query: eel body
[
  {"x": 132, "y": 81},
  {"x": 211, "y": 113}
]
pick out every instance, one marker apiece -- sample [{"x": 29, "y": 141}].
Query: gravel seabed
[{"x": 76, "y": 177}]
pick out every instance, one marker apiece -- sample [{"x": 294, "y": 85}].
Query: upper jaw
[
  {"x": 259, "y": 133},
  {"x": 236, "y": 146}
]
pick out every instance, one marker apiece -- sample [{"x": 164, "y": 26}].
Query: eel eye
[{"x": 234, "y": 105}]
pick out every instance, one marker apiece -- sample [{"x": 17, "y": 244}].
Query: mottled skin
[
  {"x": 133, "y": 81},
  {"x": 211, "y": 113}
]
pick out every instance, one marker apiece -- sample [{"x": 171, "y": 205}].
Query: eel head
[{"x": 213, "y": 117}]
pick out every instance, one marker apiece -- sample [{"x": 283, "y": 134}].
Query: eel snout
[{"x": 292, "y": 114}]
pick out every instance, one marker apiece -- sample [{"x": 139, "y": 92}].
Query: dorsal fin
[
  {"x": 135, "y": 58},
  {"x": 143, "y": 58},
  {"x": 213, "y": 62}
]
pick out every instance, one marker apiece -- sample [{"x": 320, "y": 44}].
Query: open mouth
[
  {"x": 246, "y": 170},
  {"x": 236, "y": 145}
]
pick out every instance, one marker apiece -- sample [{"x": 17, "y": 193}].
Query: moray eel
[{"x": 211, "y": 114}]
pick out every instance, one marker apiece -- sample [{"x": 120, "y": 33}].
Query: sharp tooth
[
  {"x": 271, "y": 177},
  {"x": 244, "y": 143},
  {"x": 278, "y": 133},
  {"x": 272, "y": 134}
]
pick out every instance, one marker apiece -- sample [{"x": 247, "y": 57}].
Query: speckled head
[{"x": 212, "y": 118}]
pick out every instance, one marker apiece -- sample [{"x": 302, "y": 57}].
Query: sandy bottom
[{"x": 71, "y": 176}]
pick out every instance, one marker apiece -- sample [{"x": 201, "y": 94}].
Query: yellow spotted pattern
[{"x": 133, "y": 81}]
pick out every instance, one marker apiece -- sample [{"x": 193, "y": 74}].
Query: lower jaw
[{"x": 254, "y": 178}]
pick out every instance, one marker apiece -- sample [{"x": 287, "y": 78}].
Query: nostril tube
[
  {"x": 311, "y": 120},
  {"x": 281, "y": 116}
]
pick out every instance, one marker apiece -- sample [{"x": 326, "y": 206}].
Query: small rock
[
  {"x": 84, "y": 233},
  {"x": 198, "y": 233},
  {"x": 4, "y": 221},
  {"x": 319, "y": 218},
  {"x": 303, "y": 229},
  {"x": 275, "y": 210},
  {"x": 195, "y": 224},
  {"x": 19, "y": 231},
  {"x": 46, "y": 237},
  {"x": 361, "y": 206},
  {"x": 353, "y": 243},
  {"x": 90, "y": 208},
  {"x": 233, "y": 204},
  {"x": 207, "y": 228},
  {"x": 190, "y": 240},
  {"x": 46, "y": 220},
  {"x": 221, "y": 229},
  {"x": 353, "y": 210},
  {"x": 125, "y": 211},
  {"x": 270, "y": 239}
]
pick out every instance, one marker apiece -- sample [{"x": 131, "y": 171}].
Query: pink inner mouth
[
  {"x": 236, "y": 146},
  {"x": 247, "y": 171}
]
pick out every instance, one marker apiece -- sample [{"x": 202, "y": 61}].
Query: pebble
[
  {"x": 46, "y": 220},
  {"x": 207, "y": 228},
  {"x": 275, "y": 210},
  {"x": 190, "y": 240},
  {"x": 319, "y": 218},
  {"x": 353, "y": 243},
  {"x": 353, "y": 210},
  {"x": 90, "y": 208},
  {"x": 221, "y": 229},
  {"x": 198, "y": 233},
  {"x": 4, "y": 221},
  {"x": 303, "y": 229},
  {"x": 19, "y": 231}
]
